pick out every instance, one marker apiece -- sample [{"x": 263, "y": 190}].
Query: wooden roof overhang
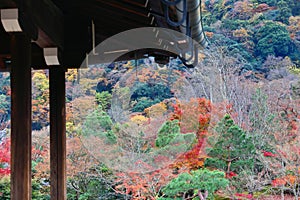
[{"x": 68, "y": 25}]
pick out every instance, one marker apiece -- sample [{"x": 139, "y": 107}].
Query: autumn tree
[
  {"x": 40, "y": 100},
  {"x": 4, "y": 110},
  {"x": 88, "y": 178},
  {"x": 242, "y": 10},
  {"x": 241, "y": 34},
  {"x": 4, "y": 99},
  {"x": 4, "y": 157},
  {"x": 283, "y": 163},
  {"x": 138, "y": 186},
  {"x": 194, "y": 117}
]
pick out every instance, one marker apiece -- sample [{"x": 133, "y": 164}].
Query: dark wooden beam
[
  {"x": 140, "y": 3},
  {"x": 101, "y": 11},
  {"x": 42, "y": 15},
  {"x": 21, "y": 118},
  {"x": 57, "y": 134},
  {"x": 141, "y": 12},
  {"x": 158, "y": 12},
  {"x": 7, "y": 4},
  {"x": 4, "y": 42},
  {"x": 3, "y": 65},
  {"x": 49, "y": 20}
]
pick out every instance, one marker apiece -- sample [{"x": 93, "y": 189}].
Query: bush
[
  {"x": 104, "y": 99},
  {"x": 191, "y": 185},
  {"x": 37, "y": 189},
  {"x": 97, "y": 121},
  {"x": 168, "y": 131}
]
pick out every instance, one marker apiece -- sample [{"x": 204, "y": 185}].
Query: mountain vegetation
[{"x": 226, "y": 129}]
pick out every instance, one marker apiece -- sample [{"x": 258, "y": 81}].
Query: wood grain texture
[
  {"x": 21, "y": 118},
  {"x": 57, "y": 134}
]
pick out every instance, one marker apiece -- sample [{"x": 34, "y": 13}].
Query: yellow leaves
[
  {"x": 157, "y": 110},
  {"x": 294, "y": 70},
  {"x": 40, "y": 80},
  {"x": 240, "y": 33},
  {"x": 294, "y": 23},
  {"x": 139, "y": 119},
  {"x": 71, "y": 75},
  {"x": 80, "y": 108},
  {"x": 201, "y": 56},
  {"x": 70, "y": 127},
  {"x": 294, "y": 26},
  {"x": 129, "y": 64}
]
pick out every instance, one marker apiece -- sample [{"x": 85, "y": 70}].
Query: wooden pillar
[
  {"x": 21, "y": 118},
  {"x": 57, "y": 134}
]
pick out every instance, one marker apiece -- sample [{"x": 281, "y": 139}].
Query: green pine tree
[
  {"x": 233, "y": 150},
  {"x": 202, "y": 182}
]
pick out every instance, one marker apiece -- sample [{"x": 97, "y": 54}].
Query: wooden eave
[{"x": 67, "y": 25}]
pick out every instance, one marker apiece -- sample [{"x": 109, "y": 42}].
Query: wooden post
[
  {"x": 21, "y": 118},
  {"x": 57, "y": 134}
]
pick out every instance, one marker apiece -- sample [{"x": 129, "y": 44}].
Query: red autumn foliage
[
  {"x": 4, "y": 157},
  {"x": 288, "y": 180},
  {"x": 247, "y": 196},
  {"x": 191, "y": 160},
  {"x": 177, "y": 113},
  {"x": 230, "y": 175},
  {"x": 269, "y": 154},
  {"x": 278, "y": 182},
  {"x": 193, "y": 116}
]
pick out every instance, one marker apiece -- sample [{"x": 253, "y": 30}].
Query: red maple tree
[{"x": 4, "y": 157}]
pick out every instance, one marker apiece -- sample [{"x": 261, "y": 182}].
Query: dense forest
[{"x": 226, "y": 129}]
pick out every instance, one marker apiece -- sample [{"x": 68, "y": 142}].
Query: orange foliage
[
  {"x": 285, "y": 180},
  {"x": 193, "y": 116},
  {"x": 209, "y": 34},
  {"x": 143, "y": 185},
  {"x": 78, "y": 158},
  {"x": 41, "y": 153}
]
